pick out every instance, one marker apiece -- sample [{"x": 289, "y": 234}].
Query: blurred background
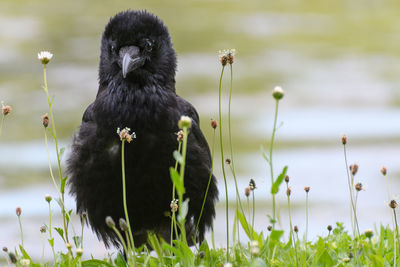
[{"x": 338, "y": 62}]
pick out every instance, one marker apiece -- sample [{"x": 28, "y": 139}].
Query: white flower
[
  {"x": 278, "y": 93},
  {"x": 185, "y": 121},
  {"x": 25, "y": 262},
  {"x": 44, "y": 57}
]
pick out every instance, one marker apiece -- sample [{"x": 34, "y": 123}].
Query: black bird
[{"x": 137, "y": 90}]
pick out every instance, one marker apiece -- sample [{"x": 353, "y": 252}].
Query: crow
[{"x": 137, "y": 90}]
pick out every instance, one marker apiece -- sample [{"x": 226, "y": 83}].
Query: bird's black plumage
[{"x": 137, "y": 90}]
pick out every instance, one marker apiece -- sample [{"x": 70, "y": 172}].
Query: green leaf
[
  {"x": 51, "y": 241},
  {"x": 155, "y": 244},
  {"x": 276, "y": 235},
  {"x": 176, "y": 180},
  {"x": 251, "y": 234},
  {"x": 60, "y": 231},
  {"x": 263, "y": 153},
  {"x": 120, "y": 261},
  {"x": 62, "y": 150},
  {"x": 184, "y": 208},
  {"x": 63, "y": 181},
  {"x": 24, "y": 253},
  {"x": 278, "y": 181},
  {"x": 97, "y": 263},
  {"x": 77, "y": 241},
  {"x": 177, "y": 156}
]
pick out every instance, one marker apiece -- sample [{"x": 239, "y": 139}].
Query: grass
[{"x": 378, "y": 247}]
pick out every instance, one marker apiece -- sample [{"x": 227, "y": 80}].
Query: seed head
[
  {"x": 247, "y": 191},
  {"x": 278, "y": 93},
  {"x": 344, "y": 139},
  {"x": 123, "y": 225},
  {"x": 329, "y": 228},
  {"x": 358, "y": 186},
  {"x": 79, "y": 252},
  {"x": 174, "y": 205},
  {"x": 13, "y": 258},
  {"x": 228, "y": 161},
  {"x": 307, "y": 189},
  {"x": 45, "y": 120},
  {"x": 185, "y": 122},
  {"x": 288, "y": 191},
  {"x": 252, "y": 185},
  {"x": 383, "y": 170},
  {"x": 254, "y": 249},
  {"x": 18, "y": 211},
  {"x": 5, "y": 109},
  {"x": 179, "y": 136},
  {"x": 353, "y": 169},
  {"x": 25, "y": 262},
  {"x": 369, "y": 233},
  {"x": 269, "y": 228},
  {"x": 68, "y": 246},
  {"x": 214, "y": 124},
  {"x": 110, "y": 222},
  {"x": 393, "y": 204},
  {"x": 43, "y": 229},
  {"x": 296, "y": 228},
  {"x": 5, "y": 249},
  {"x": 48, "y": 198},
  {"x": 124, "y": 134},
  {"x": 227, "y": 56},
  {"x": 45, "y": 57}
]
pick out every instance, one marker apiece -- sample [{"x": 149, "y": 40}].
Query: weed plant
[{"x": 378, "y": 247}]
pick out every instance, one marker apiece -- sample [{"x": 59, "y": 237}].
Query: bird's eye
[
  {"x": 148, "y": 46},
  {"x": 113, "y": 48}
]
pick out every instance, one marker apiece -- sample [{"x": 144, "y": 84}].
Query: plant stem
[
  {"x": 397, "y": 234},
  {"x": 54, "y": 134},
  {"x": 182, "y": 177},
  {"x": 20, "y": 228},
  {"x": 271, "y": 145},
  {"x": 124, "y": 191},
  {"x": 1, "y": 125},
  {"x": 51, "y": 236},
  {"x": 173, "y": 219},
  {"x": 208, "y": 185},
  {"x": 349, "y": 181},
  {"x": 222, "y": 165},
  {"x": 306, "y": 217},
  {"x": 254, "y": 213}
]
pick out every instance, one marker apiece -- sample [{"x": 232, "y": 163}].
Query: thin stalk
[
  {"x": 2, "y": 123},
  {"x": 124, "y": 190},
  {"x": 49, "y": 160},
  {"x": 222, "y": 164},
  {"x": 83, "y": 225},
  {"x": 43, "y": 245},
  {"x": 54, "y": 134},
  {"x": 20, "y": 228},
  {"x": 254, "y": 213},
  {"x": 51, "y": 236},
  {"x": 306, "y": 217},
  {"x": 290, "y": 219},
  {"x": 349, "y": 181},
  {"x": 182, "y": 176},
  {"x": 173, "y": 219},
  {"x": 271, "y": 145},
  {"x": 388, "y": 192},
  {"x": 397, "y": 234},
  {"x": 122, "y": 240},
  {"x": 209, "y": 182}
]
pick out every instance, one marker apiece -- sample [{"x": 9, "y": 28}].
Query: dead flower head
[
  {"x": 180, "y": 136},
  {"x": 5, "y": 109},
  {"x": 344, "y": 139},
  {"x": 247, "y": 191},
  {"x": 214, "y": 124},
  {"x": 393, "y": 204},
  {"x": 353, "y": 169},
  {"x": 227, "y": 56},
  {"x": 45, "y": 120},
  {"x": 174, "y": 205},
  {"x": 252, "y": 185}
]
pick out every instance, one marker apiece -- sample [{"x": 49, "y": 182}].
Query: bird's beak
[{"x": 131, "y": 59}]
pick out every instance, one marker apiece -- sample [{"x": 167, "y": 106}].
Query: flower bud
[
  {"x": 353, "y": 169},
  {"x": 296, "y": 228},
  {"x": 329, "y": 228},
  {"x": 185, "y": 122},
  {"x": 344, "y": 139},
  {"x": 214, "y": 124},
  {"x": 48, "y": 198},
  {"x": 393, "y": 204},
  {"x": 278, "y": 93},
  {"x": 43, "y": 229},
  {"x": 123, "y": 225},
  {"x": 369, "y": 233},
  {"x": 383, "y": 170},
  {"x": 45, "y": 120},
  {"x": 287, "y": 178},
  {"x": 18, "y": 211},
  {"x": 6, "y": 110},
  {"x": 228, "y": 161},
  {"x": 79, "y": 252},
  {"x": 307, "y": 189},
  {"x": 110, "y": 222},
  {"x": 252, "y": 185},
  {"x": 247, "y": 191},
  {"x": 288, "y": 191}
]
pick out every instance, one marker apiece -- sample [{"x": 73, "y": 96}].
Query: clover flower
[{"x": 45, "y": 57}]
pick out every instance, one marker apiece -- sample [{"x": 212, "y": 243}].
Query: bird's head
[{"x": 136, "y": 46}]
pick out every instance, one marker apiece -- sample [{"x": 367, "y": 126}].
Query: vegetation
[{"x": 378, "y": 247}]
